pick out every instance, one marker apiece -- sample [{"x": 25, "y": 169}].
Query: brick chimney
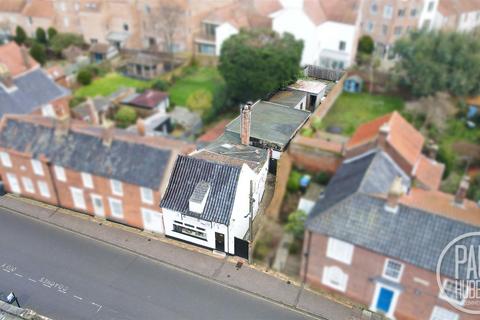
[
  {"x": 433, "y": 151},
  {"x": 383, "y": 135},
  {"x": 462, "y": 191},
  {"x": 25, "y": 57},
  {"x": 6, "y": 77},
  {"x": 62, "y": 124},
  {"x": 107, "y": 133},
  {"x": 394, "y": 194},
  {"x": 92, "y": 112},
  {"x": 141, "y": 127},
  {"x": 245, "y": 123}
]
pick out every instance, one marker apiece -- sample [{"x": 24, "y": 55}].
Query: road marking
[
  {"x": 30, "y": 279},
  {"x": 97, "y": 305},
  {"x": 6, "y": 270},
  {"x": 77, "y": 297},
  {"x": 19, "y": 275},
  {"x": 43, "y": 284}
]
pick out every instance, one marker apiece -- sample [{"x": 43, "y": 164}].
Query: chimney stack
[
  {"x": 141, "y": 127},
  {"x": 25, "y": 57},
  {"x": 108, "y": 131},
  {"x": 62, "y": 124},
  {"x": 6, "y": 77},
  {"x": 92, "y": 112},
  {"x": 394, "y": 194},
  {"x": 433, "y": 151},
  {"x": 462, "y": 191},
  {"x": 383, "y": 135},
  {"x": 245, "y": 123}
]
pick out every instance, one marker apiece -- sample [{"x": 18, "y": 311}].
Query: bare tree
[{"x": 168, "y": 20}]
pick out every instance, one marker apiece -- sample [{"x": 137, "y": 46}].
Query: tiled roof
[
  {"x": 12, "y": 5},
  {"x": 240, "y": 14},
  {"x": 457, "y": 7},
  {"x": 34, "y": 89},
  {"x": 353, "y": 210},
  {"x": 39, "y": 9},
  {"x": 342, "y": 11},
  {"x": 187, "y": 173},
  {"x": 272, "y": 123},
  {"x": 149, "y": 99},
  {"x": 139, "y": 161},
  {"x": 11, "y": 57},
  {"x": 429, "y": 172}
]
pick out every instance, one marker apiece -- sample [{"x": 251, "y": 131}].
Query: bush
[
  {"x": 295, "y": 247},
  {"x": 293, "y": 183},
  {"x": 38, "y": 53},
  {"x": 52, "y": 32},
  {"x": 84, "y": 77},
  {"x": 76, "y": 101},
  {"x": 322, "y": 178},
  {"x": 125, "y": 116},
  {"x": 64, "y": 40},
  {"x": 307, "y": 132},
  {"x": 200, "y": 100},
  {"x": 366, "y": 45},
  {"x": 448, "y": 158},
  {"x": 20, "y": 35},
  {"x": 160, "y": 85},
  {"x": 41, "y": 36},
  {"x": 316, "y": 123},
  {"x": 296, "y": 223}
]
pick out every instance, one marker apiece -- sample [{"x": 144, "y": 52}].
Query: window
[
  {"x": 342, "y": 46},
  {"x": 117, "y": 188},
  {"x": 78, "y": 199},
  {"x": 210, "y": 29},
  {"x": 116, "y": 208},
  {"x": 477, "y": 17},
  {"x": 63, "y": 6},
  {"x": 66, "y": 22},
  {"x": 393, "y": 270},
  {"x": 369, "y": 26},
  {"x": 431, "y": 4},
  {"x": 43, "y": 187},
  {"x": 385, "y": 29},
  {"x": 77, "y": 6},
  {"x": 439, "y": 313},
  {"x": 13, "y": 182},
  {"x": 190, "y": 232},
  {"x": 339, "y": 250},
  {"x": 37, "y": 167},
  {"x": 97, "y": 205},
  {"x": 60, "y": 173},
  {"x": 125, "y": 26},
  {"x": 398, "y": 31},
  {"x": 208, "y": 49},
  {"x": 28, "y": 185},
  {"x": 5, "y": 158},
  {"x": 413, "y": 12},
  {"x": 335, "y": 278},
  {"x": 147, "y": 195},
  {"x": 454, "y": 291},
  {"x": 87, "y": 180},
  {"x": 373, "y": 8},
  {"x": 387, "y": 11},
  {"x": 401, "y": 12}
]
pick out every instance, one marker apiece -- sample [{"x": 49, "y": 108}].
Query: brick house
[
  {"x": 99, "y": 171},
  {"x": 376, "y": 234}
]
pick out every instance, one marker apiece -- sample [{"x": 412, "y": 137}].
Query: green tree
[
  {"x": 125, "y": 116},
  {"x": 160, "y": 85},
  {"x": 293, "y": 183},
  {"x": 38, "y": 52},
  {"x": 200, "y": 100},
  {"x": 366, "y": 45},
  {"x": 52, "y": 32},
  {"x": 296, "y": 223},
  {"x": 41, "y": 36},
  {"x": 84, "y": 77},
  {"x": 430, "y": 62},
  {"x": 64, "y": 40},
  {"x": 256, "y": 62},
  {"x": 20, "y": 35}
]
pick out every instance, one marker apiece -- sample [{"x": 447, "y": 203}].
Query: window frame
[
  {"x": 385, "y": 268},
  {"x": 444, "y": 296},
  {"x": 43, "y": 189},
  {"x": 87, "y": 180},
  {"x": 5, "y": 159},
  {"x": 60, "y": 173},
  {"x": 143, "y": 192},
  {"x": 113, "y": 213},
  {"x": 79, "y": 205},
  {"x": 436, "y": 310},
  {"x": 28, "y": 185},
  {"x": 335, "y": 245},
  {"x": 37, "y": 167},
  {"x": 115, "y": 191},
  {"x": 328, "y": 272},
  {"x": 12, "y": 177}
]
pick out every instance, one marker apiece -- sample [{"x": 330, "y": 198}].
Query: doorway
[{"x": 219, "y": 242}]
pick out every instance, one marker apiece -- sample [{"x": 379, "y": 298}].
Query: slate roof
[
  {"x": 187, "y": 173},
  {"x": 132, "y": 162},
  {"x": 272, "y": 123},
  {"x": 353, "y": 210},
  {"x": 34, "y": 89}
]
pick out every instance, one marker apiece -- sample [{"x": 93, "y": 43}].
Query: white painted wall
[
  {"x": 163, "y": 105},
  {"x": 428, "y": 15},
  {"x": 468, "y": 21},
  {"x": 222, "y": 33},
  {"x": 330, "y": 34}
]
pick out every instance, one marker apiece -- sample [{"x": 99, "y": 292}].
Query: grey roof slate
[
  {"x": 134, "y": 163},
  {"x": 187, "y": 173},
  {"x": 352, "y": 211},
  {"x": 272, "y": 123},
  {"x": 34, "y": 89}
]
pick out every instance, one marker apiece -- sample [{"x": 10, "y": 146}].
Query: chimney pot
[
  {"x": 92, "y": 112},
  {"x": 462, "y": 191},
  {"x": 245, "y": 123},
  {"x": 5, "y": 76},
  {"x": 394, "y": 194},
  {"x": 383, "y": 135},
  {"x": 62, "y": 124},
  {"x": 107, "y": 134}
]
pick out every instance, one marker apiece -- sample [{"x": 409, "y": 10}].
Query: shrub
[
  {"x": 446, "y": 157},
  {"x": 52, "y": 32},
  {"x": 322, "y": 178},
  {"x": 366, "y": 45},
  {"x": 307, "y": 132},
  {"x": 76, "y": 101},
  {"x": 125, "y": 116},
  {"x": 295, "y": 247},
  {"x": 20, "y": 35},
  {"x": 200, "y": 100},
  {"x": 41, "y": 36},
  {"x": 293, "y": 183},
  {"x": 316, "y": 123},
  {"x": 84, "y": 77},
  {"x": 296, "y": 223},
  {"x": 64, "y": 40},
  {"x": 160, "y": 85},
  {"x": 37, "y": 51}
]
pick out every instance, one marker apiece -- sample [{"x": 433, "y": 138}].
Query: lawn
[
  {"x": 195, "y": 78},
  {"x": 109, "y": 84},
  {"x": 352, "y": 109}
]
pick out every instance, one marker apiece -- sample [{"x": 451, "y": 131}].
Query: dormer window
[{"x": 199, "y": 196}]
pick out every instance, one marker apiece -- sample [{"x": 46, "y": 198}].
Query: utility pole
[{"x": 250, "y": 209}]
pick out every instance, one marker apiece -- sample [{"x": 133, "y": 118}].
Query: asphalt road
[{"x": 66, "y": 276}]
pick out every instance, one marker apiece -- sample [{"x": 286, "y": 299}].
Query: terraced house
[{"x": 100, "y": 171}]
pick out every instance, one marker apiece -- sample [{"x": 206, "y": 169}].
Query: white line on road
[
  {"x": 77, "y": 297},
  {"x": 30, "y": 279},
  {"x": 19, "y": 275},
  {"x": 97, "y": 305},
  {"x": 6, "y": 270},
  {"x": 43, "y": 284}
]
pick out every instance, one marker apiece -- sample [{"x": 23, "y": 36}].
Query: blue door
[{"x": 384, "y": 301}]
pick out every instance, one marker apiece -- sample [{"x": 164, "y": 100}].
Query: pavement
[{"x": 73, "y": 266}]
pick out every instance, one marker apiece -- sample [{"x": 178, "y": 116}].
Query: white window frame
[
  {"x": 43, "y": 188},
  {"x": 87, "y": 180},
  {"x": 48, "y": 111},
  {"x": 111, "y": 202},
  {"x": 439, "y": 313},
  {"x": 147, "y": 199},
  {"x": 5, "y": 158},
  {"x": 77, "y": 202},
  {"x": 96, "y": 210},
  {"x": 60, "y": 173},
  {"x": 444, "y": 296},
  {"x": 331, "y": 274},
  {"x": 37, "y": 167},
  {"x": 117, "y": 187},
  {"x": 388, "y": 11},
  {"x": 28, "y": 185},
  {"x": 14, "y": 183},
  {"x": 340, "y": 250},
  {"x": 385, "y": 267}
]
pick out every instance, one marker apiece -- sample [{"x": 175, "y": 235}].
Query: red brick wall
[
  {"x": 314, "y": 161},
  {"x": 416, "y": 301}
]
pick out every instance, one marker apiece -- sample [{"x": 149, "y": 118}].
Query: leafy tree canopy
[
  {"x": 430, "y": 62},
  {"x": 200, "y": 100},
  {"x": 20, "y": 35},
  {"x": 41, "y": 36},
  {"x": 37, "y": 51},
  {"x": 125, "y": 116},
  {"x": 52, "y": 32},
  {"x": 256, "y": 62},
  {"x": 64, "y": 40},
  {"x": 366, "y": 45},
  {"x": 296, "y": 223}
]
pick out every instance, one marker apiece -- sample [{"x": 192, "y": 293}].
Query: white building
[
  {"x": 451, "y": 15},
  {"x": 329, "y": 30}
]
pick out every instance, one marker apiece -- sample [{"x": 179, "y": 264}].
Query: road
[{"x": 66, "y": 276}]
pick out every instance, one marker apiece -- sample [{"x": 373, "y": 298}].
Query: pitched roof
[
  {"x": 149, "y": 99},
  {"x": 403, "y": 137},
  {"x": 353, "y": 210},
  {"x": 272, "y": 123},
  {"x": 429, "y": 172},
  {"x": 11, "y": 56},
  {"x": 39, "y": 9},
  {"x": 457, "y": 7},
  {"x": 342, "y": 11},
  {"x": 33, "y": 89},
  {"x": 12, "y": 5},
  {"x": 137, "y": 160},
  {"x": 241, "y": 15},
  {"x": 187, "y": 173}
]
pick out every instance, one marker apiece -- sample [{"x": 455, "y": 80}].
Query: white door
[
  {"x": 97, "y": 203},
  {"x": 13, "y": 182},
  {"x": 152, "y": 221}
]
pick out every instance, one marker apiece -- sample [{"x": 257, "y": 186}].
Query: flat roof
[
  {"x": 310, "y": 86},
  {"x": 289, "y": 98}
]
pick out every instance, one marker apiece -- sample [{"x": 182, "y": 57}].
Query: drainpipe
[
  {"x": 307, "y": 256},
  {"x": 53, "y": 182}
]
